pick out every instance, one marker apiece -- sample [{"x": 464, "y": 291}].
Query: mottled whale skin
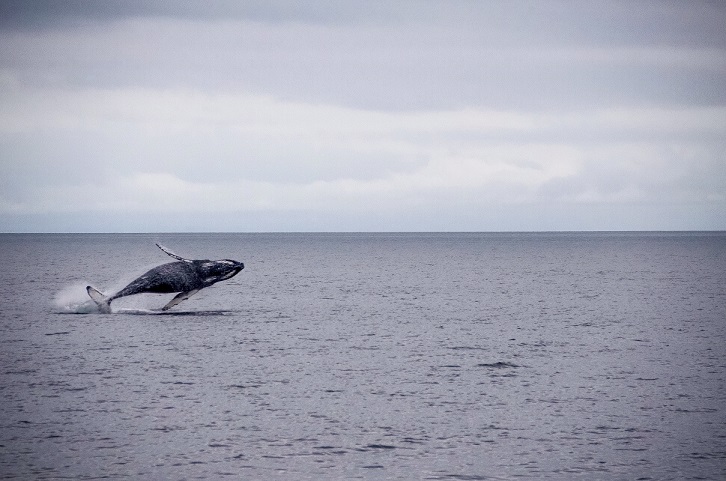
[{"x": 185, "y": 276}]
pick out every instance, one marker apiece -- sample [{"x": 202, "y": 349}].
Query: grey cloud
[
  {"x": 390, "y": 115},
  {"x": 608, "y": 22},
  {"x": 41, "y": 14},
  {"x": 519, "y": 55}
]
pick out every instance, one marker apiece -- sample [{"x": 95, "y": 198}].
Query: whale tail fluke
[{"x": 103, "y": 302}]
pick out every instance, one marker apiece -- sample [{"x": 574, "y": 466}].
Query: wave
[{"x": 159, "y": 312}]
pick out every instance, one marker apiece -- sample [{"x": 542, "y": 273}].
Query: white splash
[{"x": 73, "y": 299}]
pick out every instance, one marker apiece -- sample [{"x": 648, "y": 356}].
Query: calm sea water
[{"x": 373, "y": 356}]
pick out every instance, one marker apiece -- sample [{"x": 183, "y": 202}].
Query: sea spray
[{"x": 73, "y": 299}]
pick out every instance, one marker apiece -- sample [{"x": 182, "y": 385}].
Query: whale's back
[{"x": 164, "y": 279}]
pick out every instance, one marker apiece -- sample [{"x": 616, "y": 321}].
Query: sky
[{"x": 277, "y": 116}]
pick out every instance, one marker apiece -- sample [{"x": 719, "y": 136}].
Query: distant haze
[{"x": 362, "y": 116}]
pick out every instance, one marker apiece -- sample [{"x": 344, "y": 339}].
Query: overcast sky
[{"x": 147, "y": 116}]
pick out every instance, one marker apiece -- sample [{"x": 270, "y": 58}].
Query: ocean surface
[{"x": 368, "y": 356}]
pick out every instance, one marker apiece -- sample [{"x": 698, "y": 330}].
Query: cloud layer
[{"x": 481, "y": 117}]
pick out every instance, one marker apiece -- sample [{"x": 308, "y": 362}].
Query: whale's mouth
[{"x": 232, "y": 273}]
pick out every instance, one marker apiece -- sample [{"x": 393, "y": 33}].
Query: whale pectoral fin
[
  {"x": 103, "y": 302},
  {"x": 182, "y": 296},
  {"x": 171, "y": 254}
]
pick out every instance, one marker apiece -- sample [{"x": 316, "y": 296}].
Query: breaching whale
[{"x": 185, "y": 276}]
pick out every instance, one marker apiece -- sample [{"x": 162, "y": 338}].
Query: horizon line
[{"x": 562, "y": 231}]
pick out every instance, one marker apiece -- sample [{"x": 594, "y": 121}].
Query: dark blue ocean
[{"x": 368, "y": 356}]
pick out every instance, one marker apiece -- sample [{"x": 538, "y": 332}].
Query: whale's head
[{"x": 221, "y": 270}]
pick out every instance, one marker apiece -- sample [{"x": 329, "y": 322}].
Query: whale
[{"x": 184, "y": 276}]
